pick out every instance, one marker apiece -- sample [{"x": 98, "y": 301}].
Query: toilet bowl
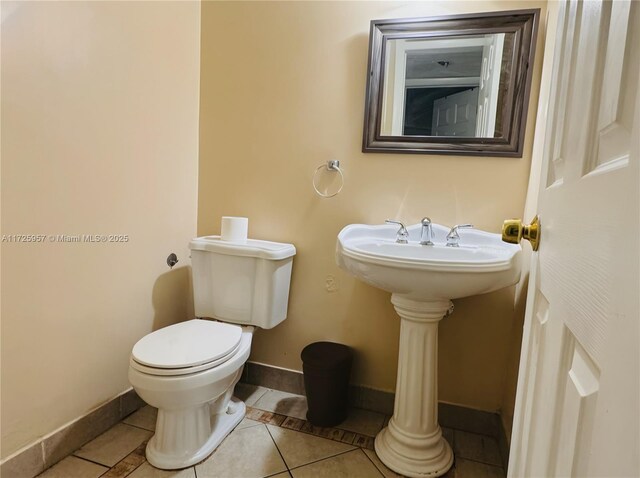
[
  {"x": 188, "y": 370},
  {"x": 195, "y": 407}
]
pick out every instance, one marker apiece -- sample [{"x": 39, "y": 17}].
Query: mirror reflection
[{"x": 447, "y": 86}]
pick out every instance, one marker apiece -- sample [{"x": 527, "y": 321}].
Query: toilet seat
[
  {"x": 181, "y": 370},
  {"x": 186, "y": 347}
]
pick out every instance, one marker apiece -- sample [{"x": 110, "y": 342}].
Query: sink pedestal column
[{"x": 412, "y": 444}]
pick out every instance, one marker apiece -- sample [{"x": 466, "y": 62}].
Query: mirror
[{"x": 450, "y": 85}]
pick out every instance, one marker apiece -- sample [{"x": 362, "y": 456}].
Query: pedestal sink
[{"x": 422, "y": 281}]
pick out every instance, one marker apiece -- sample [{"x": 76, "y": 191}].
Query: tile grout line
[
  {"x": 286, "y": 465},
  {"x": 44, "y": 458},
  {"x": 325, "y": 458},
  {"x": 250, "y": 425},
  {"x": 266, "y": 391},
  {"x": 309, "y": 463},
  {"x": 474, "y": 433},
  {"x": 481, "y": 462},
  {"x": 276, "y": 474},
  {"x": 453, "y": 447},
  {"x": 330, "y": 456},
  {"x": 138, "y": 427},
  {"x": 130, "y": 454},
  {"x": 85, "y": 459},
  {"x": 373, "y": 463}
]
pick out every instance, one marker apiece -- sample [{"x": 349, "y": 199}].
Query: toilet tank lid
[{"x": 274, "y": 251}]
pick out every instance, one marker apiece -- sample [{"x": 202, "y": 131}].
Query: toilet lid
[{"x": 187, "y": 344}]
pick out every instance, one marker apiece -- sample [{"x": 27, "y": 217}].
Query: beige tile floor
[{"x": 271, "y": 447}]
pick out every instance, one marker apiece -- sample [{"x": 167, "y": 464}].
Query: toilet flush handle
[{"x": 172, "y": 260}]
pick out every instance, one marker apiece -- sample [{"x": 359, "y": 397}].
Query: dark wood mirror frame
[{"x": 522, "y": 23}]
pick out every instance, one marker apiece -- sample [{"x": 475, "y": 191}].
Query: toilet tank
[{"x": 242, "y": 283}]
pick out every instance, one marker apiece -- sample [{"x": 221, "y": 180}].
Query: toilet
[{"x": 188, "y": 370}]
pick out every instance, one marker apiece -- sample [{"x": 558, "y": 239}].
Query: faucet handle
[
  {"x": 402, "y": 236},
  {"x": 453, "y": 237}
]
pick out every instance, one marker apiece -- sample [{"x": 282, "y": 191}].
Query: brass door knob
[{"x": 513, "y": 231}]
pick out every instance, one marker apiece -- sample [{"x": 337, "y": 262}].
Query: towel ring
[{"x": 333, "y": 165}]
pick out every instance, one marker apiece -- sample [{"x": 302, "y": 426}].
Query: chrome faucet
[
  {"x": 402, "y": 236},
  {"x": 426, "y": 234},
  {"x": 453, "y": 238}
]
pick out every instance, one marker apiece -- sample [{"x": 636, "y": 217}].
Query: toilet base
[{"x": 221, "y": 425}]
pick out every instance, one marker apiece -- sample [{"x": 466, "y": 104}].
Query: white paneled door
[
  {"x": 578, "y": 401},
  {"x": 455, "y": 115}
]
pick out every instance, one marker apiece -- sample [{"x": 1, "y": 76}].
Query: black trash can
[{"x": 327, "y": 368}]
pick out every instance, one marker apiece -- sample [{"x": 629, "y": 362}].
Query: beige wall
[
  {"x": 99, "y": 136},
  {"x": 282, "y": 92}
]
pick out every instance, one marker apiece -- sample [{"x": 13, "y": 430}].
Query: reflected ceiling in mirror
[{"x": 455, "y": 85}]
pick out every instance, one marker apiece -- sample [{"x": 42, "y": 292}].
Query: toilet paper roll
[{"x": 234, "y": 229}]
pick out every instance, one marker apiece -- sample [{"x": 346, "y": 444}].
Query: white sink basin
[
  {"x": 422, "y": 280},
  {"x": 482, "y": 263}
]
